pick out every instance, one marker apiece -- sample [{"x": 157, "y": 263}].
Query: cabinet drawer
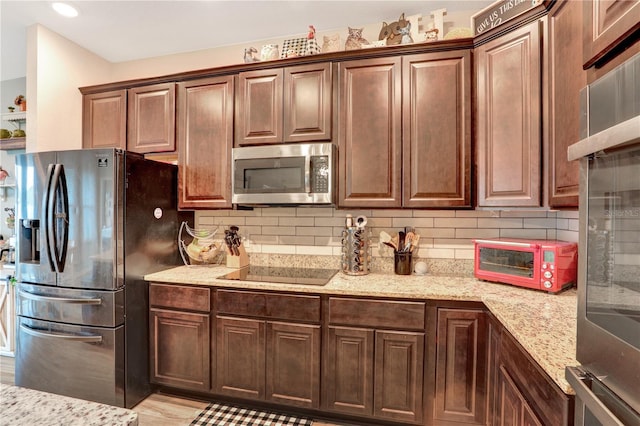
[
  {"x": 180, "y": 297},
  {"x": 269, "y": 305},
  {"x": 377, "y": 313}
]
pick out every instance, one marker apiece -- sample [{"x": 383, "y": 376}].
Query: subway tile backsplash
[{"x": 445, "y": 234}]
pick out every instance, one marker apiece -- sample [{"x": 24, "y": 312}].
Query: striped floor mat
[{"x": 217, "y": 414}]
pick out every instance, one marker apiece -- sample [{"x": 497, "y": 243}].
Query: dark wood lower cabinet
[
  {"x": 171, "y": 364},
  {"x": 265, "y": 360},
  {"x": 240, "y": 359},
  {"x": 519, "y": 392},
  {"x": 381, "y": 361},
  {"x": 293, "y": 364},
  {"x": 460, "y": 366},
  {"x": 374, "y": 373}
]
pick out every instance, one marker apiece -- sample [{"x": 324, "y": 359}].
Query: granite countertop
[
  {"x": 22, "y": 406},
  {"x": 544, "y": 324}
]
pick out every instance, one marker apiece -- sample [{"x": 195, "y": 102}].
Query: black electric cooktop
[{"x": 308, "y": 276}]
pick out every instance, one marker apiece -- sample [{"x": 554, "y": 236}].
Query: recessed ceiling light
[{"x": 65, "y": 9}]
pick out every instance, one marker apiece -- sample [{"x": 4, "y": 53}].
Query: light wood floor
[{"x": 156, "y": 410}]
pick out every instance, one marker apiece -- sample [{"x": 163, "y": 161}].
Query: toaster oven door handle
[{"x": 507, "y": 243}]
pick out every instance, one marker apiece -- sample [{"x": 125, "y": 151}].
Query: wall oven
[
  {"x": 284, "y": 174},
  {"x": 607, "y": 383}
]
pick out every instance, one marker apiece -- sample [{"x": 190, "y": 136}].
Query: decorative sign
[{"x": 499, "y": 13}]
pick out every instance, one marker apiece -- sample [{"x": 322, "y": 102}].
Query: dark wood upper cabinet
[
  {"x": 461, "y": 366},
  {"x": 308, "y": 103},
  {"x": 104, "y": 120},
  {"x": 607, "y": 23},
  {"x": 370, "y": 132},
  {"x": 205, "y": 140},
  {"x": 281, "y": 105},
  {"x": 508, "y": 134},
  {"x": 437, "y": 129},
  {"x": 151, "y": 118},
  {"x": 565, "y": 79},
  {"x": 259, "y": 107}
]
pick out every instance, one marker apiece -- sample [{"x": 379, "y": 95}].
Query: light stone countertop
[
  {"x": 22, "y": 406},
  {"x": 544, "y": 324}
]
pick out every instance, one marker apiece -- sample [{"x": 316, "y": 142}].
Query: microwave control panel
[{"x": 320, "y": 174}]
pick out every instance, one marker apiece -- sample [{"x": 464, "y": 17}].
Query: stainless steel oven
[{"x": 607, "y": 383}]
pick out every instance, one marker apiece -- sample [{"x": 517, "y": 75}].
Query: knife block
[{"x": 239, "y": 261}]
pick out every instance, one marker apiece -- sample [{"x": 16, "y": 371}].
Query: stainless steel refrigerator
[{"x": 90, "y": 224}]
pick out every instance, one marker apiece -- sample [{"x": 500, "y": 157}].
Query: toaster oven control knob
[
  {"x": 547, "y": 284},
  {"x": 547, "y": 274}
]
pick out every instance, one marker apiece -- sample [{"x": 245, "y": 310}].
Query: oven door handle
[
  {"x": 578, "y": 381},
  {"x": 93, "y": 338},
  {"x": 507, "y": 243},
  {"x": 71, "y": 300}
]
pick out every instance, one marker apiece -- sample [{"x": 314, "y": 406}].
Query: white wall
[{"x": 56, "y": 68}]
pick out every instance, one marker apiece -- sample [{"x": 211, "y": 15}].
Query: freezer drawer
[
  {"x": 103, "y": 308},
  {"x": 77, "y": 361}
]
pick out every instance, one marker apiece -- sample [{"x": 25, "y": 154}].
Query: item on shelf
[
  {"x": 458, "y": 32},
  {"x": 356, "y": 250},
  {"x": 354, "y": 39},
  {"x": 377, "y": 43},
  {"x": 11, "y": 108},
  {"x": 391, "y": 32},
  {"x": 269, "y": 52},
  {"x": 3, "y": 173},
  {"x": 293, "y": 47},
  {"x": 19, "y": 133},
  {"x": 202, "y": 249},
  {"x": 405, "y": 34},
  {"x": 5, "y": 134},
  {"x": 250, "y": 55},
  {"x": 21, "y": 102},
  {"x": 331, "y": 43},
  {"x": 312, "y": 45}
]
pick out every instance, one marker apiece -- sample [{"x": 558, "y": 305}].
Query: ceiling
[{"x": 126, "y": 30}]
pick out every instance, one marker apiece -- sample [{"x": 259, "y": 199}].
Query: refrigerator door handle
[
  {"x": 57, "y": 211},
  {"x": 42, "y": 298},
  {"x": 92, "y": 338}
]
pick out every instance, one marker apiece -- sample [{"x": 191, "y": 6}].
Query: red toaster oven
[{"x": 547, "y": 265}]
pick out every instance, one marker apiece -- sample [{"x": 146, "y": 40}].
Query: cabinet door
[
  {"x": 509, "y": 119},
  {"x": 493, "y": 368},
  {"x": 104, "y": 120},
  {"x": 437, "y": 130},
  {"x": 240, "y": 355},
  {"x": 151, "y": 119},
  {"x": 399, "y": 358},
  {"x": 348, "y": 384},
  {"x": 307, "y": 103},
  {"x": 205, "y": 140},
  {"x": 460, "y": 366},
  {"x": 606, "y": 24},
  {"x": 259, "y": 107},
  {"x": 369, "y": 133},
  {"x": 513, "y": 408},
  {"x": 180, "y": 349},
  {"x": 293, "y": 364},
  {"x": 565, "y": 80}
]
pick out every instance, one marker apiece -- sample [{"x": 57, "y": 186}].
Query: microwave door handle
[{"x": 307, "y": 174}]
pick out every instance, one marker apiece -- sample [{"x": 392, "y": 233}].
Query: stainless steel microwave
[{"x": 294, "y": 174}]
